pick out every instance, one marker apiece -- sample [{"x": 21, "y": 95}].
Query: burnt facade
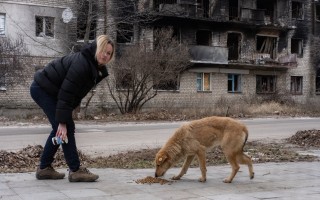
[{"x": 242, "y": 48}]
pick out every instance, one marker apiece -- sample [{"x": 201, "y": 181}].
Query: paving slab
[{"x": 294, "y": 180}]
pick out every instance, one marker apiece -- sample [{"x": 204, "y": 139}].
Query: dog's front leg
[
  {"x": 184, "y": 168},
  {"x": 202, "y": 162}
]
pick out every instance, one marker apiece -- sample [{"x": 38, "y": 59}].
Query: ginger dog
[{"x": 195, "y": 137}]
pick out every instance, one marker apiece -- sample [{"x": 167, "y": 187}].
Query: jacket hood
[{"x": 89, "y": 51}]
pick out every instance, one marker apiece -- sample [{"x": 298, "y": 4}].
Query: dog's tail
[{"x": 245, "y": 130}]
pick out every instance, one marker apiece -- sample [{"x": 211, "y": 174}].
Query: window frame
[
  {"x": 201, "y": 82},
  {"x": 268, "y": 80},
  {"x": 296, "y": 85},
  {"x": 125, "y": 33},
  {"x": 235, "y": 81},
  {"x": 173, "y": 84},
  {"x": 317, "y": 82},
  {"x": 298, "y": 45},
  {"x": 3, "y": 84},
  {"x": 3, "y": 16},
  {"x": 261, "y": 47},
  {"x": 317, "y": 15},
  {"x": 42, "y": 23},
  {"x": 301, "y": 9}
]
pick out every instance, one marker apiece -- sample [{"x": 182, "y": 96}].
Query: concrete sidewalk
[{"x": 290, "y": 181}]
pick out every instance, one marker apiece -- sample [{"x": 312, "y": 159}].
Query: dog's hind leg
[
  {"x": 184, "y": 168},
  {"x": 234, "y": 165},
  {"x": 245, "y": 159}
]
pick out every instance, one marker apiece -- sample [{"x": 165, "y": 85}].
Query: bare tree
[
  {"x": 127, "y": 16},
  {"x": 141, "y": 71},
  {"x": 12, "y": 63},
  {"x": 87, "y": 14}
]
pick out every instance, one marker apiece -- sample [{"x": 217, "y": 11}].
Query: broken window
[
  {"x": 168, "y": 31},
  {"x": 167, "y": 83},
  {"x": 233, "y": 43},
  {"x": 297, "y": 10},
  {"x": 296, "y": 85},
  {"x": 297, "y": 46},
  {"x": 176, "y": 33},
  {"x": 44, "y": 26},
  {"x": 318, "y": 82},
  {"x": 165, "y": 2},
  {"x": 124, "y": 33},
  {"x": 268, "y": 9},
  {"x": 266, "y": 84},
  {"x": 3, "y": 85},
  {"x": 125, "y": 27},
  {"x": 2, "y": 23},
  {"x": 204, "y": 37},
  {"x": 233, "y": 10},
  {"x": 234, "y": 83},
  {"x": 203, "y": 8},
  {"x": 318, "y": 12},
  {"x": 267, "y": 45},
  {"x": 160, "y": 4},
  {"x": 203, "y": 82}
]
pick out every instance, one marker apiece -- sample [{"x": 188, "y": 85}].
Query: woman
[{"x": 58, "y": 89}]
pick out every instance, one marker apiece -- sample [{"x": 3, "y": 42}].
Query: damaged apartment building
[
  {"x": 240, "y": 49},
  {"x": 244, "y": 49}
]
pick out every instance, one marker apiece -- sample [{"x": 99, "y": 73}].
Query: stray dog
[{"x": 195, "y": 137}]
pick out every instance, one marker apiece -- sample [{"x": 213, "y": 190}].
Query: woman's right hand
[{"x": 62, "y": 131}]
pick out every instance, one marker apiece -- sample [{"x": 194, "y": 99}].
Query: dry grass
[{"x": 271, "y": 108}]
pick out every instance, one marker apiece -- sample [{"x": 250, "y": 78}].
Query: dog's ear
[{"x": 161, "y": 158}]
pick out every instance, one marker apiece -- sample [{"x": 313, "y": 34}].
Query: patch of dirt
[{"x": 26, "y": 160}]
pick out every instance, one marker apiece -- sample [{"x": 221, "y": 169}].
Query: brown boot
[
  {"x": 48, "y": 173},
  {"x": 82, "y": 175}
]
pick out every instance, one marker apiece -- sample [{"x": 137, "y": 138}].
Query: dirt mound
[
  {"x": 27, "y": 159},
  {"x": 306, "y": 138}
]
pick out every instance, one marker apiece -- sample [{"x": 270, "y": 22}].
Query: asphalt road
[{"x": 106, "y": 139}]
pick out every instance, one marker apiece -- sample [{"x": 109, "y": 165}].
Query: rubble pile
[{"x": 306, "y": 138}]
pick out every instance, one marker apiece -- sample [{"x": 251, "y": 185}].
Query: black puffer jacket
[{"x": 70, "y": 78}]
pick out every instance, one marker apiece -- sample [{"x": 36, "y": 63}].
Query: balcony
[
  {"x": 263, "y": 61},
  {"x": 218, "y": 55},
  {"x": 172, "y": 8},
  {"x": 209, "y": 54},
  {"x": 255, "y": 16}
]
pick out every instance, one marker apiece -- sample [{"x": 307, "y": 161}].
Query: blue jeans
[{"x": 48, "y": 104}]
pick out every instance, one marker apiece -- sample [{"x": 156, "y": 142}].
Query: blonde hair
[{"x": 102, "y": 42}]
